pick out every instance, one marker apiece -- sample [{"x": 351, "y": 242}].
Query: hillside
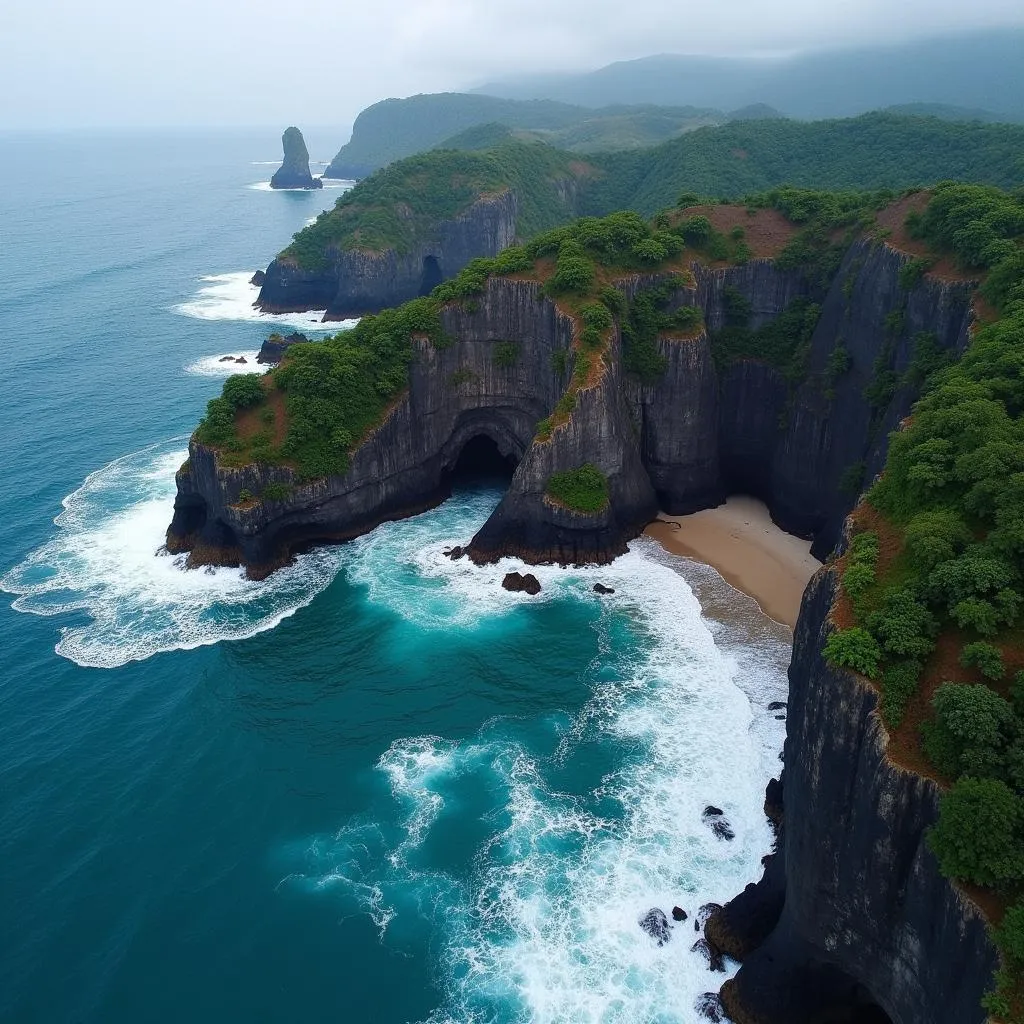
[
  {"x": 397, "y": 128},
  {"x": 967, "y": 70}
]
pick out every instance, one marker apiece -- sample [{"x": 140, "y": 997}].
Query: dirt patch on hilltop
[
  {"x": 892, "y": 221},
  {"x": 765, "y": 231}
]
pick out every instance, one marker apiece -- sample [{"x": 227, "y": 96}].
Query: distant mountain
[
  {"x": 947, "y": 112},
  {"x": 392, "y": 129},
  {"x": 977, "y": 70}
]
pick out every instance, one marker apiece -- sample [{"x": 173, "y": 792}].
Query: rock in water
[
  {"x": 294, "y": 172},
  {"x": 709, "y": 1006},
  {"x": 713, "y": 816},
  {"x": 517, "y": 582},
  {"x": 712, "y": 957},
  {"x": 258, "y": 278},
  {"x": 678, "y": 914},
  {"x": 655, "y": 923},
  {"x": 600, "y": 588}
]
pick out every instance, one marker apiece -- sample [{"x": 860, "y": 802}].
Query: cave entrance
[
  {"x": 431, "y": 276},
  {"x": 481, "y": 464},
  {"x": 840, "y": 999}
]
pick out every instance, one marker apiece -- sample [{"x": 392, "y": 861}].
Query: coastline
[{"x": 740, "y": 541}]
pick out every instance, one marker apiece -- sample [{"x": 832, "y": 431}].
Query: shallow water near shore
[{"x": 375, "y": 787}]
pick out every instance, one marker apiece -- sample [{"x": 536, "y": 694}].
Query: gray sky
[{"x": 318, "y": 62}]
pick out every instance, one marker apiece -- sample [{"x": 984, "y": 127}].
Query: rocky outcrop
[
  {"x": 273, "y": 349},
  {"x": 852, "y": 910},
  {"x": 294, "y": 172},
  {"x": 352, "y": 282},
  {"x": 684, "y": 442}
]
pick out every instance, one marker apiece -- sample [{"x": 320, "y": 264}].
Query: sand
[{"x": 740, "y": 540}]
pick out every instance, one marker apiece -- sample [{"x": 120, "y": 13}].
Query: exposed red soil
[
  {"x": 765, "y": 231},
  {"x": 892, "y": 221}
]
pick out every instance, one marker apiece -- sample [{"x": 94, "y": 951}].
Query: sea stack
[{"x": 294, "y": 172}]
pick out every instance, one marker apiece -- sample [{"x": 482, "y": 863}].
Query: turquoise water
[{"x": 375, "y": 787}]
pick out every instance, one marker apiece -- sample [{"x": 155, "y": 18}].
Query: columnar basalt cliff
[
  {"x": 294, "y": 172},
  {"x": 852, "y": 911},
  {"x": 352, "y": 282},
  {"x": 700, "y": 432}
]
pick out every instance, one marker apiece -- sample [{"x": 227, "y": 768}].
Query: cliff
[
  {"x": 852, "y": 912},
  {"x": 294, "y": 172},
  {"x": 709, "y": 426},
  {"x": 351, "y": 282}
]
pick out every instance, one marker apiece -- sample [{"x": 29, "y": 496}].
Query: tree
[
  {"x": 977, "y": 836},
  {"x": 854, "y": 648},
  {"x": 972, "y": 727},
  {"x": 986, "y": 658}
]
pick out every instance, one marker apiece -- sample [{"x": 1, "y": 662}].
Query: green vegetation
[
  {"x": 583, "y": 490},
  {"x": 953, "y": 490},
  {"x": 506, "y": 354}
]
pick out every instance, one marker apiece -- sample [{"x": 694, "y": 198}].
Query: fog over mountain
[{"x": 317, "y": 62}]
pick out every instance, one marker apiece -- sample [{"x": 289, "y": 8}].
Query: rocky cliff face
[
  {"x": 294, "y": 172},
  {"x": 852, "y": 911},
  {"x": 701, "y": 432},
  {"x": 352, "y": 282}
]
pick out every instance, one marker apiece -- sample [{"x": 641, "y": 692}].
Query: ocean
[{"x": 374, "y": 787}]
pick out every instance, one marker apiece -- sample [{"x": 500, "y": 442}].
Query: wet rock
[
  {"x": 655, "y": 923},
  {"x": 294, "y": 172},
  {"x": 713, "y": 816},
  {"x": 709, "y": 1006},
  {"x": 600, "y": 588},
  {"x": 777, "y": 705},
  {"x": 273, "y": 349},
  {"x": 455, "y": 553},
  {"x": 226, "y": 359},
  {"x": 714, "y": 959},
  {"x": 241, "y": 359},
  {"x": 780, "y": 718},
  {"x": 706, "y": 911},
  {"x": 518, "y": 582},
  {"x": 678, "y": 914},
  {"x": 258, "y": 278}
]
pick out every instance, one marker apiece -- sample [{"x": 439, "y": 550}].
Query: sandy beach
[{"x": 740, "y": 540}]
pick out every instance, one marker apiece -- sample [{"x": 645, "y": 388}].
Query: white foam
[
  {"x": 231, "y": 297},
  {"x": 106, "y": 562},
  {"x": 225, "y": 364},
  {"x": 546, "y": 929},
  {"x": 337, "y": 184}
]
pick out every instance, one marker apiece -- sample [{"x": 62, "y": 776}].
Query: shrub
[
  {"x": 855, "y": 649},
  {"x": 696, "y": 231},
  {"x": 613, "y": 299},
  {"x": 243, "y": 390},
  {"x": 913, "y": 270},
  {"x": 276, "y": 492},
  {"x": 1010, "y": 934},
  {"x": 935, "y": 536},
  {"x": 857, "y": 579},
  {"x": 506, "y": 354},
  {"x": 986, "y": 658},
  {"x": 572, "y": 274},
  {"x": 596, "y": 316},
  {"x": 558, "y": 361},
  {"x": 977, "y": 836},
  {"x": 244, "y": 495},
  {"x": 904, "y": 626},
  {"x": 971, "y": 728},
  {"x": 899, "y": 684},
  {"x": 584, "y": 489}
]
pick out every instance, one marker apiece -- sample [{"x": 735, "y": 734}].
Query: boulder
[
  {"x": 294, "y": 172},
  {"x": 713, "y": 816},
  {"x": 273, "y": 349},
  {"x": 655, "y": 923},
  {"x": 678, "y": 914},
  {"x": 456, "y": 552},
  {"x": 258, "y": 278},
  {"x": 241, "y": 359},
  {"x": 777, "y": 705},
  {"x": 712, "y": 811},
  {"x": 517, "y": 582},
  {"x": 226, "y": 359},
  {"x": 600, "y": 588}
]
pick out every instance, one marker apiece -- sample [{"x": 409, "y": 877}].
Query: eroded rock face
[
  {"x": 353, "y": 282},
  {"x": 683, "y": 443},
  {"x": 294, "y": 172},
  {"x": 852, "y": 910},
  {"x": 273, "y": 349},
  {"x": 521, "y": 583}
]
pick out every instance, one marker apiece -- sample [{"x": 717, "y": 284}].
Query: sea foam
[
  {"x": 231, "y": 297},
  {"x": 337, "y": 184},
  {"x": 106, "y": 561},
  {"x": 545, "y": 927}
]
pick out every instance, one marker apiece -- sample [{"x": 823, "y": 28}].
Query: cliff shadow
[{"x": 479, "y": 463}]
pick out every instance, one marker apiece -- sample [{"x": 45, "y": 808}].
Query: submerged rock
[
  {"x": 712, "y": 957},
  {"x": 294, "y": 172},
  {"x": 517, "y": 582},
  {"x": 713, "y": 816},
  {"x": 455, "y": 553},
  {"x": 600, "y": 588},
  {"x": 709, "y": 1006},
  {"x": 777, "y": 705},
  {"x": 655, "y": 923}
]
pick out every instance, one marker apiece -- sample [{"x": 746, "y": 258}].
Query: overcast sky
[{"x": 318, "y": 62}]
